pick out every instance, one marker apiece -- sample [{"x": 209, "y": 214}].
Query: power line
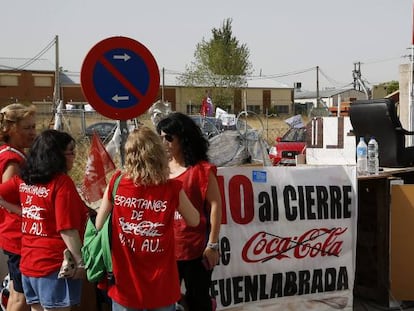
[
  {"x": 37, "y": 56},
  {"x": 381, "y": 60},
  {"x": 331, "y": 80},
  {"x": 291, "y": 73}
]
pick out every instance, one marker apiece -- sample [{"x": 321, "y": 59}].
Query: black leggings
[
  {"x": 13, "y": 264},
  {"x": 197, "y": 281}
]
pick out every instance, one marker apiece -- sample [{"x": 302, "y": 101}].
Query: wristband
[{"x": 214, "y": 246}]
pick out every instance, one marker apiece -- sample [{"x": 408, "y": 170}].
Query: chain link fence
[{"x": 75, "y": 122}]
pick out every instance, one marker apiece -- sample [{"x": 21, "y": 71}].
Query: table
[{"x": 372, "y": 276}]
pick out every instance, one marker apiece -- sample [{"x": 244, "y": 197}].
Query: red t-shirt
[
  {"x": 143, "y": 261},
  {"x": 46, "y": 210},
  {"x": 10, "y": 223},
  {"x": 190, "y": 242},
  {"x": 204, "y": 108}
]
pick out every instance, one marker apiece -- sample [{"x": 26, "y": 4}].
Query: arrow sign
[
  {"x": 120, "y": 78},
  {"x": 124, "y": 57},
  {"x": 117, "y": 98}
]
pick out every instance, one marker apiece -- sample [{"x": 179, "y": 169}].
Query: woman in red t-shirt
[
  {"x": 53, "y": 219},
  {"x": 143, "y": 211},
  {"x": 17, "y": 132},
  {"x": 196, "y": 248}
]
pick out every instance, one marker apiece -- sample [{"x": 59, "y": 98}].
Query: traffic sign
[{"x": 120, "y": 78}]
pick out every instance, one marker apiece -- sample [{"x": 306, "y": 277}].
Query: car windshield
[{"x": 295, "y": 134}]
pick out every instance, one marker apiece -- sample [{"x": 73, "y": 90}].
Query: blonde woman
[
  {"x": 17, "y": 132},
  {"x": 143, "y": 212}
]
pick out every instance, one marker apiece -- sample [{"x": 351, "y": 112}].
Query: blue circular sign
[{"x": 120, "y": 78}]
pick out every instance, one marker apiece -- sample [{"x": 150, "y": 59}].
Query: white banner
[
  {"x": 330, "y": 142},
  {"x": 288, "y": 238},
  {"x": 295, "y": 121}
]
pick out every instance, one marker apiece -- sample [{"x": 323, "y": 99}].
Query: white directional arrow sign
[
  {"x": 117, "y": 98},
  {"x": 124, "y": 57}
]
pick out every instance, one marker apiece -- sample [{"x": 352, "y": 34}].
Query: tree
[
  {"x": 221, "y": 64},
  {"x": 392, "y": 86}
]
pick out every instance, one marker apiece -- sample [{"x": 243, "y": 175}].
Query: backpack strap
[
  {"x": 106, "y": 236},
  {"x": 116, "y": 184}
]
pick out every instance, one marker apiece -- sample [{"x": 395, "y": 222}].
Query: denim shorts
[
  {"x": 118, "y": 307},
  {"x": 51, "y": 292},
  {"x": 13, "y": 264}
]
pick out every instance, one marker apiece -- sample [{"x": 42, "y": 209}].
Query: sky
[{"x": 287, "y": 39}]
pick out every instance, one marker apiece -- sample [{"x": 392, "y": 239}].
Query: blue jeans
[
  {"x": 118, "y": 307},
  {"x": 51, "y": 292}
]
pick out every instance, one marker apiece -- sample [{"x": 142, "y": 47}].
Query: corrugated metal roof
[
  {"x": 322, "y": 93},
  {"x": 266, "y": 83},
  {"x": 69, "y": 78},
  {"x": 171, "y": 79},
  {"x": 27, "y": 64}
]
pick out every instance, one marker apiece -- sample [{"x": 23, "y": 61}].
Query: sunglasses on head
[{"x": 168, "y": 137}]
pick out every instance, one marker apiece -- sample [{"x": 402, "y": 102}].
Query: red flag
[{"x": 99, "y": 164}]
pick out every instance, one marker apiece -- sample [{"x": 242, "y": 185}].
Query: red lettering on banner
[
  {"x": 264, "y": 246},
  {"x": 220, "y": 181},
  {"x": 241, "y": 199}
]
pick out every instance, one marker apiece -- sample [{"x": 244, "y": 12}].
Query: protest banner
[{"x": 288, "y": 238}]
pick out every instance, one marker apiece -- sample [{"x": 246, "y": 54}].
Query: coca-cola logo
[{"x": 264, "y": 246}]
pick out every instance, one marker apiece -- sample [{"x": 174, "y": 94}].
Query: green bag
[{"x": 96, "y": 249}]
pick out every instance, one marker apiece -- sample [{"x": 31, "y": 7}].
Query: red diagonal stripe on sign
[{"x": 128, "y": 85}]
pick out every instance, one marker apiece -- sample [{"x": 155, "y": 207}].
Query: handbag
[{"x": 96, "y": 249}]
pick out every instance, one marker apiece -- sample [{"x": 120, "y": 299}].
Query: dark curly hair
[
  {"x": 46, "y": 157},
  {"x": 192, "y": 141}
]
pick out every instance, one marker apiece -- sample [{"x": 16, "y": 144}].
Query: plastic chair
[{"x": 378, "y": 118}]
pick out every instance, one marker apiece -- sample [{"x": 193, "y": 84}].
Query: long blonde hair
[
  {"x": 146, "y": 161},
  {"x": 11, "y": 115}
]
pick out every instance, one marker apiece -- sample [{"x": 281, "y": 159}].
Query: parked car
[
  {"x": 104, "y": 129},
  {"x": 210, "y": 126},
  {"x": 293, "y": 142}
]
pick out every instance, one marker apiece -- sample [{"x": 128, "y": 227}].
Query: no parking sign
[{"x": 120, "y": 78}]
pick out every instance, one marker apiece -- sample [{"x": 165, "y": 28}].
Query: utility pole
[
  {"x": 356, "y": 73},
  {"x": 317, "y": 86},
  {"x": 56, "y": 95},
  {"x": 162, "y": 86}
]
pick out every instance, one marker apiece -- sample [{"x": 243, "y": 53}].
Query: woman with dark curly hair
[
  {"x": 53, "y": 219},
  {"x": 196, "y": 247},
  {"x": 17, "y": 132}
]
